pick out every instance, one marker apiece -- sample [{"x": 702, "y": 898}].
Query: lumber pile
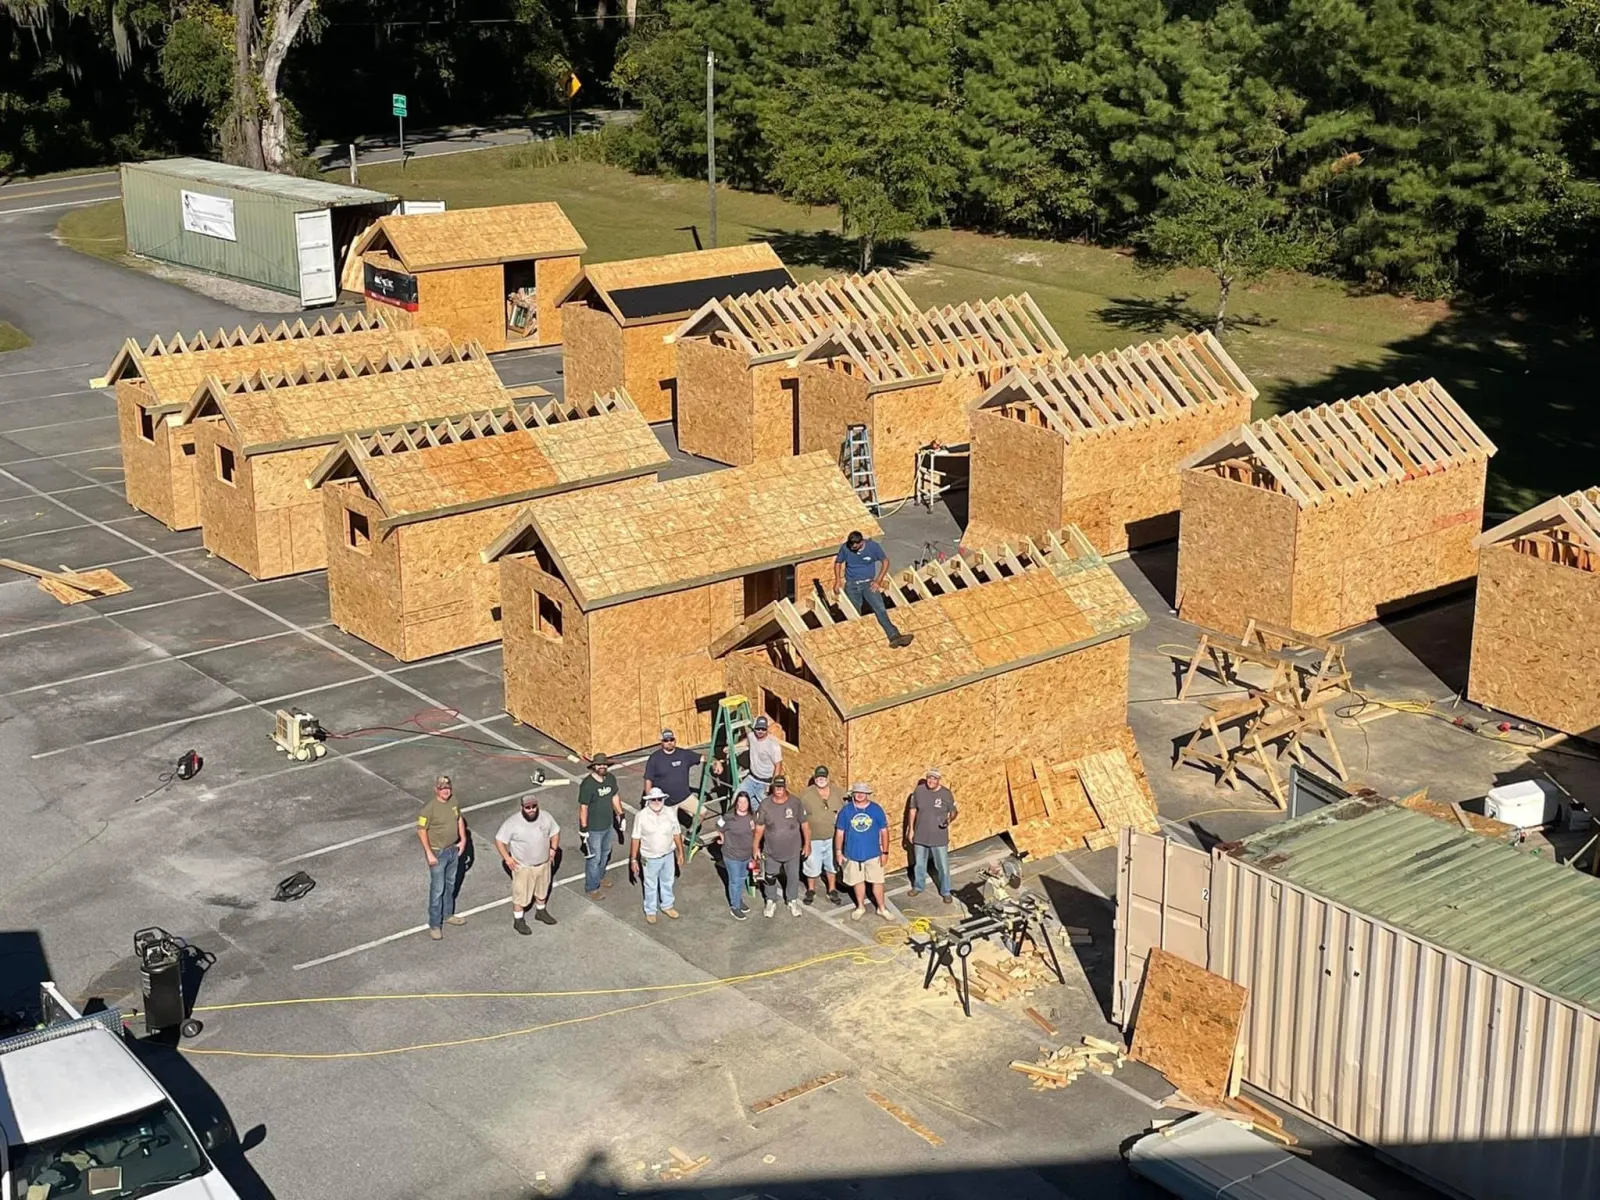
[
  {"x": 1061, "y": 1066},
  {"x": 69, "y": 586},
  {"x": 995, "y": 977},
  {"x": 1066, "y": 806}
]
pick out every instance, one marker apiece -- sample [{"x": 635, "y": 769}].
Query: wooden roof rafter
[
  {"x": 131, "y": 354},
  {"x": 1577, "y": 514}
]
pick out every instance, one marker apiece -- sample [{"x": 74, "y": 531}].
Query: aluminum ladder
[
  {"x": 729, "y": 725},
  {"x": 858, "y": 466}
]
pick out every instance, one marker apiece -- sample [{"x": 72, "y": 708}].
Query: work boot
[
  {"x": 435, "y": 932},
  {"x": 605, "y": 881},
  {"x": 794, "y": 907},
  {"x": 771, "y": 907},
  {"x": 650, "y": 918},
  {"x": 671, "y": 912},
  {"x": 543, "y": 917},
  {"x": 521, "y": 926},
  {"x": 811, "y": 898},
  {"x": 949, "y": 899},
  {"x": 455, "y": 920},
  {"x": 901, "y": 642},
  {"x": 915, "y": 892},
  {"x": 834, "y": 898}
]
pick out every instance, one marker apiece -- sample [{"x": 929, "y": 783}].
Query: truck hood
[{"x": 210, "y": 1186}]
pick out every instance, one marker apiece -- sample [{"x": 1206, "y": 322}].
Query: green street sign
[{"x": 399, "y": 104}]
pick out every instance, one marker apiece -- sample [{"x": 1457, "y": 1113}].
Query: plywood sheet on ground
[{"x": 1188, "y": 1026}]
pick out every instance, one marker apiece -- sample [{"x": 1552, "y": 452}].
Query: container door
[
  {"x": 319, "y": 276},
  {"x": 413, "y": 208},
  {"x": 1163, "y": 896}
]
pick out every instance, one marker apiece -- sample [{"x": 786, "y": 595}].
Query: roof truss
[
  {"x": 1578, "y": 514},
  {"x": 129, "y": 358},
  {"x": 773, "y": 324}
]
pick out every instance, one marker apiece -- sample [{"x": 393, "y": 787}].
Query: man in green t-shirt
[
  {"x": 821, "y": 803},
  {"x": 442, "y": 830},
  {"x": 599, "y": 814}
]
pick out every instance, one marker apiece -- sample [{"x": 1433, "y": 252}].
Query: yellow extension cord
[{"x": 681, "y": 991}]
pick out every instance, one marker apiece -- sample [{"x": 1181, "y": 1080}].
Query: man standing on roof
[
  {"x": 821, "y": 803},
  {"x": 782, "y": 836},
  {"x": 668, "y": 768},
  {"x": 528, "y": 842},
  {"x": 861, "y": 842},
  {"x": 859, "y": 569},
  {"x": 442, "y": 830},
  {"x": 766, "y": 762},
  {"x": 928, "y": 815},
  {"x": 656, "y": 853},
  {"x": 599, "y": 813}
]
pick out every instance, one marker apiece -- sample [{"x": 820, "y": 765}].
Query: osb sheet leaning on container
[{"x": 1187, "y": 1026}]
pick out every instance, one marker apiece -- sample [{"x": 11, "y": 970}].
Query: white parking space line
[
  {"x": 7, "y": 212},
  {"x": 64, "y": 454},
  {"x": 1088, "y": 884},
  {"x": 55, "y": 396},
  {"x": 105, "y": 416},
  {"x": 43, "y": 370}
]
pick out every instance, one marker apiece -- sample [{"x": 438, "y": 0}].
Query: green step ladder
[{"x": 730, "y": 723}]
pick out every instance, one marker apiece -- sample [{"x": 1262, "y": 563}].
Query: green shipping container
[{"x": 276, "y": 231}]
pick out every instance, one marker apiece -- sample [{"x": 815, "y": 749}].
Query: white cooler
[{"x": 1527, "y": 804}]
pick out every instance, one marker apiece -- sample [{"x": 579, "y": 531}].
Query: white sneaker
[
  {"x": 794, "y": 907},
  {"x": 772, "y": 907}
]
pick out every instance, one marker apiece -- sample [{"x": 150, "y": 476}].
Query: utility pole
[{"x": 711, "y": 139}]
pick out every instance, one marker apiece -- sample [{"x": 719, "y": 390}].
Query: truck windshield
[{"x": 136, "y": 1155}]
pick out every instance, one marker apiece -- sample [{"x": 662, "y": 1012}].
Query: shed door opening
[
  {"x": 763, "y": 587},
  {"x": 319, "y": 274},
  {"x": 147, "y": 424},
  {"x": 785, "y": 714},
  {"x": 226, "y": 466},
  {"x": 791, "y": 388},
  {"x": 358, "y": 533},
  {"x": 522, "y": 301}
]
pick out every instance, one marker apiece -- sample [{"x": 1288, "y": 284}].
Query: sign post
[
  {"x": 398, "y": 101},
  {"x": 573, "y": 84}
]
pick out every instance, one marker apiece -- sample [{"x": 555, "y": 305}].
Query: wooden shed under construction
[
  {"x": 489, "y": 275},
  {"x": 1322, "y": 519},
  {"x": 1536, "y": 627},
  {"x": 738, "y": 390},
  {"x": 612, "y": 601},
  {"x": 616, "y": 315},
  {"x": 259, "y": 437},
  {"x": 1096, "y": 442},
  {"x": 407, "y": 511},
  {"x": 909, "y": 380},
  {"x": 1019, "y": 654},
  {"x": 155, "y": 382}
]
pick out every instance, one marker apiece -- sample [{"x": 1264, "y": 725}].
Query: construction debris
[
  {"x": 1060, "y": 1067},
  {"x": 682, "y": 1165},
  {"x": 905, "y": 1118},
  {"x": 1083, "y": 802},
  {"x": 69, "y": 586},
  {"x": 1188, "y": 1026},
  {"x": 799, "y": 1089},
  {"x": 996, "y": 977}
]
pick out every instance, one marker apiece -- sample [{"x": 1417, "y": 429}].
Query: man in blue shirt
[
  {"x": 859, "y": 569},
  {"x": 861, "y": 842}
]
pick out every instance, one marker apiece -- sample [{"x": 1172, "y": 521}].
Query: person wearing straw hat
[
  {"x": 656, "y": 852},
  {"x": 861, "y": 843}
]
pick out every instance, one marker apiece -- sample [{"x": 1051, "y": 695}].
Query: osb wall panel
[
  {"x": 830, "y": 402},
  {"x": 289, "y": 535},
  {"x": 147, "y": 467},
  {"x": 227, "y": 511},
  {"x": 775, "y": 387},
  {"x": 716, "y": 403},
  {"x": 1236, "y": 553},
  {"x": 363, "y": 588},
  {"x": 1059, "y": 709},
  {"x": 1016, "y": 485},
  {"x": 468, "y": 301},
  {"x": 450, "y": 597},
  {"x": 808, "y": 574},
  {"x": 822, "y": 731},
  {"x": 904, "y": 420},
  {"x": 1122, "y": 489},
  {"x": 547, "y": 682},
  {"x": 550, "y": 278},
  {"x": 650, "y": 370},
  {"x": 1536, "y": 641},
  {"x": 591, "y": 353},
  {"x": 1359, "y": 556}
]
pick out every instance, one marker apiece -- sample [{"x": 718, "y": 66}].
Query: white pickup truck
[{"x": 82, "y": 1119}]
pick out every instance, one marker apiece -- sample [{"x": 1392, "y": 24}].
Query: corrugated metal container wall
[
  {"x": 264, "y": 253},
  {"x": 1461, "y": 1073}
]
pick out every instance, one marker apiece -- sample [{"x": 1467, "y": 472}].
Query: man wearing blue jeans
[
  {"x": 859, "y": 569},
  {"x": 599, "y": 812},
  {"x": 656, "y": 853},
  {"x": 443, "y": 832},
  {"x": 928, "y": 815}
]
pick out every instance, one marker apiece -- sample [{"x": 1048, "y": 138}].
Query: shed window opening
[
  {"x": 147, "y": 425},
  {"x": 785, "y": 714},
  {"x": 357, "y": 532},
  {"x": 188, "y": 449},
  {"x": 227, "y": 467},
  {"x": 547, "y": 616}
]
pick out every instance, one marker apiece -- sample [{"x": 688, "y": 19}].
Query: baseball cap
[
  {"x": 761, "y": 723},
  {"x": 655, "y": 794},
  {"x": 531, "y": 798},
  {"x": 599, "y": 760},
  {"x": 779, "y": 781},
  {"x": 864, "y": 788},
  {"x": 668, "y": 736},
  {"x": 820, "y": 773},
  {"x": 442, "y": 781},
  {"x": 935, "y": 772}
]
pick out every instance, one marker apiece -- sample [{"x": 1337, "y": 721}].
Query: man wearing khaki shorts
[
  {"x": 527, "y": 842},
  {"x": 861, "y": 843}
]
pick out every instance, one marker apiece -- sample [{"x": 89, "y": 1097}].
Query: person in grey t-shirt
[
  {"x": 766, "y": 762},
  {"x": 928, "y": 815},
  {"x": 738, "y": 830},
  {"x": 782, "y": 836}
]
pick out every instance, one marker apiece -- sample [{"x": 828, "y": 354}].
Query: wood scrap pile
[
  {"x": 1061, "y": 1066},
  {"x": 69, "y": 586},
  {"x": 995, "y": 977},
  {"x": 682, "y": 1165},
  {"x": 1082, "y": 802}
]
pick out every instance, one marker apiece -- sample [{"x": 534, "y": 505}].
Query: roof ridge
[
  {"x": 530, "y": 416},
  {"x": 260, "y": 334},
  {"x": 341, "y": 366}
]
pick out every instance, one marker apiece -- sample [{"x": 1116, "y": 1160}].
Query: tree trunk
[
  {"x": 866, "y": 250},
  {"x": 288, "y": 18},
  {"x": 246, "y": 120},
  {"x": 633, "y": 12},
  {"x": 1224, "y": 286}
]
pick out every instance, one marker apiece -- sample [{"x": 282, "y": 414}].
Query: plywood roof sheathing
[
  {"x": 1089, "y": 397},
  {"x": 600, "y": 281},
  {"x": 1353, "y": 446},
  {"x": 473, "y": 237},
  {"x": 684, "y": 533},
  {"x": 1045, "y": 602}
]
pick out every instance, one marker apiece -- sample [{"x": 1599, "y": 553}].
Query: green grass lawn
[
  {"x": 1302, "y": 340},
  {"x": 12, "y": 338}
]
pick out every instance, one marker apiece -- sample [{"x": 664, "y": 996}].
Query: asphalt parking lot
[{"x": 621, "y": 1041}]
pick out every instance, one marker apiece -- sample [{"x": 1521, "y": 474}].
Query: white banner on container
[{"x": 210, "y": 215}]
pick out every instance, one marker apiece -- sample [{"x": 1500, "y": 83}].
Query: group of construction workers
[{"x": 768, "y": 838}]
